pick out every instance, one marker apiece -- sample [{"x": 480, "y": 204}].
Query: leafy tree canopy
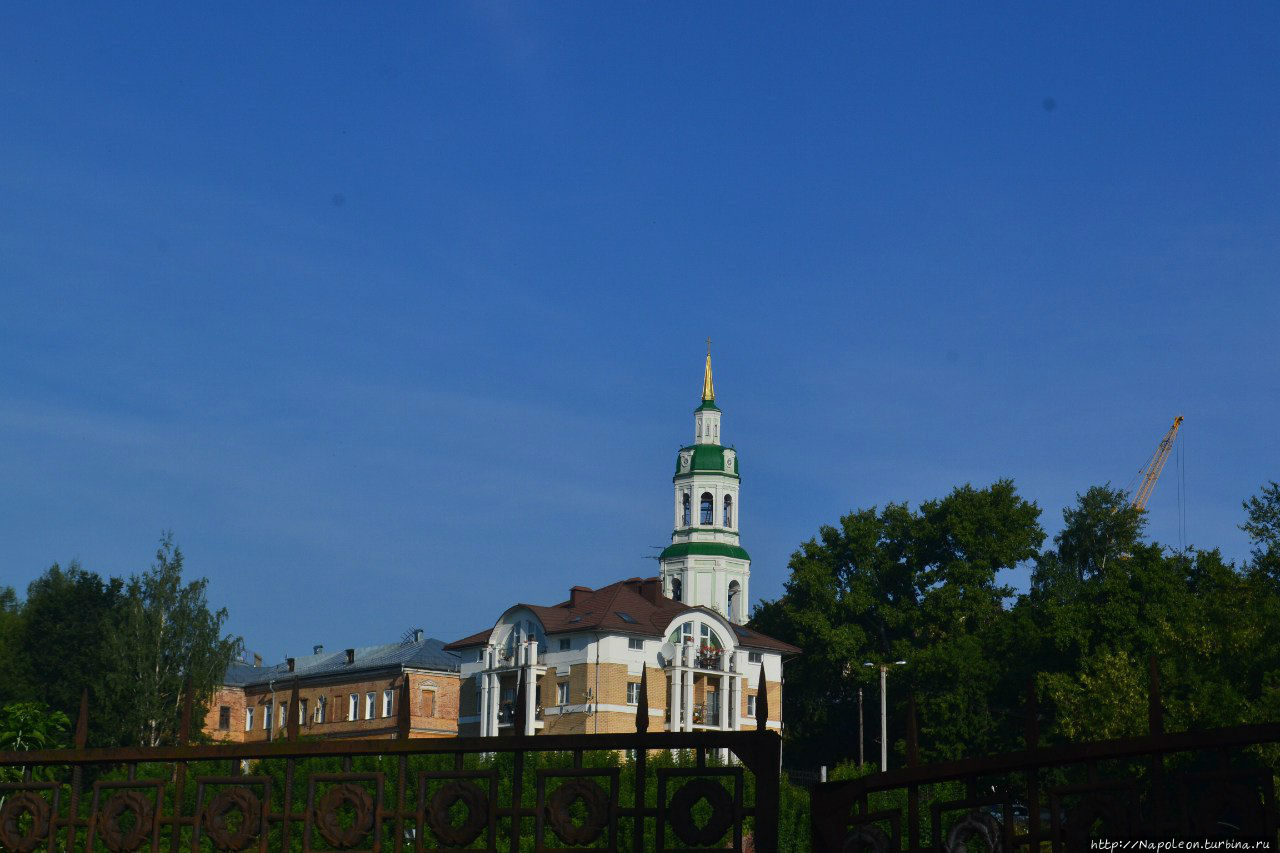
[
  {"x": 923, "y": 586},
  {"x": 131, "y": 643}
]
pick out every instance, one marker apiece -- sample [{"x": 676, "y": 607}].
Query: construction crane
[{"x": 1151, "y": 471}]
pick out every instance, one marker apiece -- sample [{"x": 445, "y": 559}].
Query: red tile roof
[{"x": 601, "y": 610}]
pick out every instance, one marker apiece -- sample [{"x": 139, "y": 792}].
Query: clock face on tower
[
  {"x": 728, "y": 461},
  {"x": 685, "y": 459}
]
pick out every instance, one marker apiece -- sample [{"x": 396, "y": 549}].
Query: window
[
  {"x": 565, "y": 644},
  {"x": 353, "y": 706},
  {"x": 387, "y": 702},
  {"x": 319, "y": 709},
  {"x": 677, "y": 589},
  {"x": 635, "y": 644},
  {"x": 224, "y": 718},
  {"x": 755, "y": 657},
  {"x": 369, "y": 699},
  {"x": 713, "y": 707},
  {"x": 284, "y": 714},
  {"x": 562, "y": 693},
  {"x": 751, "y": 706},
  {"x": 686, "y": 517},
  {"x": 302, "y": 712},
  {"x": 734, "y": 597},
  {"x": 633, "y": 693},
  {"x": 428, "y": 704},
  {"x": 626, "y": 617},
  {"x": 705, "y": 511},
  {"x": 248, "y": 719},
  {"x": 266, "y": 717},
  {"x": 728, "y": 511}
]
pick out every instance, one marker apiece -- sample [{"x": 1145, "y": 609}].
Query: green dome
[
  {"x": 707, "y": 459},
  {"x": 706, "y": 549}
]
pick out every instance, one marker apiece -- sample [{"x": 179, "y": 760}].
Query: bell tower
[{"x": 705, "y": 564}]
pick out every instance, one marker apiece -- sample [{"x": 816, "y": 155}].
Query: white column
[
  {"x": 735, "y": 690},
  {"x": 688, "y": 686},
  {"x": 482, "y": 680},
  {"x": 676, "y": 722},
  {"x": 531, "y": 686},
  {"x": 495, "y": 700}
]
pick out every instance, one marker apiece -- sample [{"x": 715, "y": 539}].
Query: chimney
[
  {"x": 417, "y": 635},
  {"x": 578, "y": 595},
  {"x": 351, "y": 656},
  {"x": 317, "y": 650},
  {"x": 257, "y": 660},
  {"x": 651, "y": 590},
  {"x": 291, "y": 662}
]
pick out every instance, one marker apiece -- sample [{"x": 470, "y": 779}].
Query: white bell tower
[{"x": 705, "y": 564}]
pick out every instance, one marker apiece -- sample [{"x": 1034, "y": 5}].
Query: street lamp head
[
  {"x": 899, "y": 662},
  {"x": 868, "y": 663}
]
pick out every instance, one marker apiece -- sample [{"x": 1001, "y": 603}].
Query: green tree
[
  {"x": 26, "y": 726},
  {"x": 1263, "y": 526},
  {"x": 897, "y": 584},
  {"x": 13, "y": 675},
  {"x": 63, "y": 646},
  {"x": 168, "y": 637},
  {"x": 1103, "y": 601}
]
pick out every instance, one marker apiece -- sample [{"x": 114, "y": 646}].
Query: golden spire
[{"x": 708, "y": 389}]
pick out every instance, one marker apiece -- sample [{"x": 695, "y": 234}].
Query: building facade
[
  {"x": 586, "y": 655},
  {"x": 355, "y": 693}
]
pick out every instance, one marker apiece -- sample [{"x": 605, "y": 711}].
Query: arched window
[
  {"x": 734, "y": 600},
  {"x": 707, "y": 513},
  {"x": 728, "y": 510},
  {"x": 677, "y": 588},
  {"x": 687, "y": 510}
]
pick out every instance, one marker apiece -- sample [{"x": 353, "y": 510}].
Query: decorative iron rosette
[
  {"x": 868, "y": 838},
  {"x": 449, "y": 794},
  {"x": 239, "y": 799},
  {"x": 975, "y": 826},
  {"x": 1223, "y": 803},
  {"x": 593, "y": 797},
  {"x": 114, "y": 837},
  {"x": 327, "y": 815},
  {"x": 12, "y": 837},
  {"x": 681, "y": 813},
  {"x": 1105, "y": 811}
]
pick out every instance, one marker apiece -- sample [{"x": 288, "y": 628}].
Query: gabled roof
[
  {"x": 427, "y": 653},
  {"x": 634, "y": 606}
]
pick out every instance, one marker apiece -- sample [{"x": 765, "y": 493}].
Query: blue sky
[{"x": 395, "y": 315}]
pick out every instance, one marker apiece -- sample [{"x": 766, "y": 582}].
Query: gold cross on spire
[{"x": 708, "y": 389}]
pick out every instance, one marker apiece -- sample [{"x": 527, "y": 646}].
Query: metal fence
[
  {"x": 543, "y": 793},
  {"x": 1216, "y": 784}
]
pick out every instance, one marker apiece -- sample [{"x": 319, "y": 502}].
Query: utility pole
[
  {"x": 862, "y": 740},
  {"x": 884, "y": 711},
  {"x": 884, "y": 720}
]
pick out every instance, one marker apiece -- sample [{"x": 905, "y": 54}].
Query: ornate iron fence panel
[
  {"x": 1208, "y": 785},
  {"x": 683, "y": 791}
]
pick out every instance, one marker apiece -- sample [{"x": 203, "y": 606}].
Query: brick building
[
  {"x": 686, "y": 627},
  {"x": 352, "y": 693}
]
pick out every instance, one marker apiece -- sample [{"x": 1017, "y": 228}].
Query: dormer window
[{"x": 707, "y": 512}]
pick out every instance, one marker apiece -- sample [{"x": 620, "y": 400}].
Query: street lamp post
[{"x": 884, "y": 711}]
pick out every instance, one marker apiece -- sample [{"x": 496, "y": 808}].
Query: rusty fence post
[
  {"x": 1032, "y": 775},
  {"x": 768, "y": 772},
  {"x": 404, "y": 719},
  {"x": 292, "y": 714}
]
